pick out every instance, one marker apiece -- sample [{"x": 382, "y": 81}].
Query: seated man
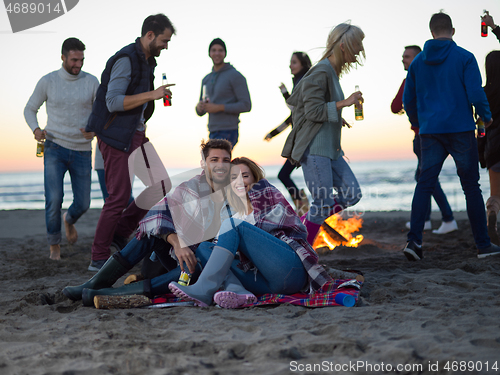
[{"x": 173, "y": 229}]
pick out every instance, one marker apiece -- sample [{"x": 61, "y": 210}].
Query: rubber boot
[
  {"x": 114, "y": 268},
  {"x": 134, "y": 288},
  {"x": 211, "y": 278},
  {"x": 312, "y": 229},
  {"x": 234, "y": 294}
]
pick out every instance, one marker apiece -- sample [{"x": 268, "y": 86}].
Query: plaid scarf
[{"x": 274, "y": 215}]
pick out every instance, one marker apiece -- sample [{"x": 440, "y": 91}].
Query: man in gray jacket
[{"x": 224, "y": 95}]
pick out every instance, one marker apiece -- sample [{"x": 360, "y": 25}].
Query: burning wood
[{"x": 335, "y": 232}]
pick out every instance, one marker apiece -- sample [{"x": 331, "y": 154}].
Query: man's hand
[
  {"x": 162, "y": 91},
  {"x": 213, "y": 108},
  {"x": 200, "y": 106},
  {"x": 87, "y": 135},
  {"x": 183, "y": 254},
  {"x": 487, "y": 124},
  {"x": 39, "y": 134},
  {"x": 488, "y": 20}
]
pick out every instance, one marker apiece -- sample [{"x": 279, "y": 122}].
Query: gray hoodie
[{"x": 226, "y": 86}]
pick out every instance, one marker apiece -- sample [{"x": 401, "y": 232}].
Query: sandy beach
[{"x": 436, "y": 316}]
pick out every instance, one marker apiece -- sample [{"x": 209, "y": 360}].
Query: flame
[{"x": 343, "y": 227}]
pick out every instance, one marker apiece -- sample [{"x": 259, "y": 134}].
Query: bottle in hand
[
  {"x": 204, "y": 95},
  {"x": 167, "y": 100},
  {"x": 484, "y": 27},
  {"x": 40, "y": 146},
  {"x": 481, "y": 131},
  {"x": 358, "y": 108}
]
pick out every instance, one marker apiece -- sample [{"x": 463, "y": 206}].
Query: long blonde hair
[
  {"x": 352, "y": 38},
  {"x": 258, "y": 174}
]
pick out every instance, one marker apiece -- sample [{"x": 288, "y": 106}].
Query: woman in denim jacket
[{"x": 314, "y": 141}]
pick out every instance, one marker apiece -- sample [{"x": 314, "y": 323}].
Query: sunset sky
[{"x": 260, "y": 37}]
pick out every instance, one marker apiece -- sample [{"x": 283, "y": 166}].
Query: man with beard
[
  {"x": 192, "y": 213},
  {"x": 125, "y": 101},
  {"x": 68, "y": 93}
]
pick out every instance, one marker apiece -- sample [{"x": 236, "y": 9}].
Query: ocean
[{"x": 386, "y": 186}]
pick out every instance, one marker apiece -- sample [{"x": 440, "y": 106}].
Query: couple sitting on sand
[{"x": 243, "y": 231}]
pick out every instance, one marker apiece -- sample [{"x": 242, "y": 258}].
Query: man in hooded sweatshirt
[
  {"x": 224, "y": 95},
  {"x": 442, "y": 85}
]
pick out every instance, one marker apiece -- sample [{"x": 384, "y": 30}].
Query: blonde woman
[{"x": 314, "y": 142}]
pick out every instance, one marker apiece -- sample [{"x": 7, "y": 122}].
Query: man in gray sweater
[
  {"x": 224, "y": 95},
  {"x": 68, "y": 94}
]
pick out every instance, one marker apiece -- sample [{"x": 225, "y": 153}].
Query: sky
[{"x": 260, "y": 37}]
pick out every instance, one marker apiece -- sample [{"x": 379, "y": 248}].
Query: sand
[{"x": 412, "y": 317}]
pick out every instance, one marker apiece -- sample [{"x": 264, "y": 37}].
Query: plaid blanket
[
  {"x": 275, "y": 215},
  {"x": 322, "y": 298}
]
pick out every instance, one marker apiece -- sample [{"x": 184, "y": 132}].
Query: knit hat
[{"x": 217, "y": 41}]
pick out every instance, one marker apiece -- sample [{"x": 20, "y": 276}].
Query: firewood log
[{"x": 120, "y": 302}]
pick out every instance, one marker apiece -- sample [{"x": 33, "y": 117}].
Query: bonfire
[{"x": 336, "y": 231}]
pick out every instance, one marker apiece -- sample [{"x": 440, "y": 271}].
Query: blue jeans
[
  {"x": 230, "y": 135},
  {"x": 438, "y": 193},
  {"x": 57, "y": 160},
  {"x": 136, "y": 250},
  {"x": 463, "y": 149},
  {"x": 280, "y": 269},
  {"x": 322, "y": 175}
]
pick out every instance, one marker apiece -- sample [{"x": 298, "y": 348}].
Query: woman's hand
[{"x": 355, "y": 98}]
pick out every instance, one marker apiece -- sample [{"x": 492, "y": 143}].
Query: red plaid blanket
[{"x": 321, "y": 298}]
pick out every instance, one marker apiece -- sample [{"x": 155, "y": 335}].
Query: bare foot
[
  {"x": 55, "y": 252},
  {"x": 71, "y": 233}
]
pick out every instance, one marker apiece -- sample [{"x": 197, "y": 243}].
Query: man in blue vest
[{"x": 125, "y": 101}]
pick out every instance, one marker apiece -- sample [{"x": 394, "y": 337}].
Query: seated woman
[{"x": 271, "y": 242}]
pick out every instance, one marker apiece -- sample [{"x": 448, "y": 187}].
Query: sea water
[{"x": 386, "y": 186}]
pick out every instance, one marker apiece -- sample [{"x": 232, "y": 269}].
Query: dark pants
[
  {"x": 463, "y": 149},
  {"x": 284, "y": 177},
  {"x": 438, "y": 193}
]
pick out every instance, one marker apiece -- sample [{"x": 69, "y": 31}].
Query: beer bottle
[
  {"x": 358, "y": 108},
  {"x": 167, "y": 100}
]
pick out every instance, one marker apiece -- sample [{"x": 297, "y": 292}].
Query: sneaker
[
  {"x": 427, "y": 225},
  {"x": 96, "y": 265},
  {"x": 490, "y": 250},
  {"x": 446, "y": 227},
  {"x": 412, "y": 251}
]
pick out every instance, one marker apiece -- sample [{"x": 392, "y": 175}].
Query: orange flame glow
[{"x": 343, "y": 227}]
